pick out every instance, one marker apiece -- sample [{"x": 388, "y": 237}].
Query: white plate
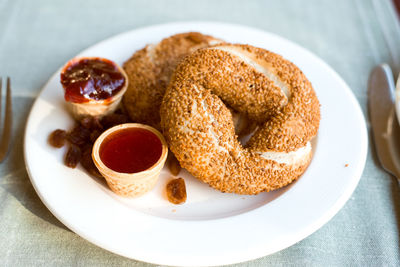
[{"x": 212, "y": 228}]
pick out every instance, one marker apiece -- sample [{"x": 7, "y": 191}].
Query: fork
[{"x": 6, "y": 128}]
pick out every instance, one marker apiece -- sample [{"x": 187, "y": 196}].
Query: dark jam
[
  {"x": 91, "y": 78},
  {"x": 130, "y": 150}
]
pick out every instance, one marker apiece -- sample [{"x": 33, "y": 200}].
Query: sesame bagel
[
  {"x": 150, "y": 69},
  {"x": 263, "y": 85}
]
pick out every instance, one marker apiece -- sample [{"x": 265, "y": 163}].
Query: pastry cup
[
  {"x": 95, "y": 108},
  {"x": 130, "y": 184}
]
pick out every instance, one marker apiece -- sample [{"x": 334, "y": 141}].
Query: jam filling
[
  {"x": 91, "y": 78},
  {"x": 130, "y": 150}
]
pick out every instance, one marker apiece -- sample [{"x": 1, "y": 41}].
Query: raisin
[
  {"x": 73, "y": 156},
  {"x": 173, "y": 165},
  {"x": 57, "y": 138},
  {"x": 114, "y": 119},
  {"x": 94, "y": 135},
  {"x": 79, "y": 135},
  {"x": 176, "y": 191},
  {"x": 86, "y": 122},
  {"x": 120, "y": 110},
  {"x": 96, "y": 125},
  {"x": 91, "y": 123},
  {"x": 87, "y": 162}
]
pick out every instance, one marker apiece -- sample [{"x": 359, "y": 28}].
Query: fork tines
[{"x": 5, "y": 129}]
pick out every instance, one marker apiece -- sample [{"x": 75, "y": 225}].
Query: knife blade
[{"x": 385, "y": 128}]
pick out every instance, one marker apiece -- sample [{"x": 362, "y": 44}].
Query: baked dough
[
  {"x": 150, "y": 69},
  {"x": 253, "y": 81}
]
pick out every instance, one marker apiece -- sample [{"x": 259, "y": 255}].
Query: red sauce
[
  {"x": 131, "y": 150},
  {"x": 91, "y": 78}
]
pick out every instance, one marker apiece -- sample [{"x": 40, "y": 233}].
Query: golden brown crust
[
  {"x": 150, "y": 69},
  {"x": 199, "y": 128}
]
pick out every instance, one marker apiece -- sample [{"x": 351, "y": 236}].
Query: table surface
[{"x": 37, "y": 37}]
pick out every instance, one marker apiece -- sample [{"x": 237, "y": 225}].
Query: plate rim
[{"x": 311, "y": 229}]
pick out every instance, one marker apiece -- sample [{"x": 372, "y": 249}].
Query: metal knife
[{"x": 385, "y": 127}]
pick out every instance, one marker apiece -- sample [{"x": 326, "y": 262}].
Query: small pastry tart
[
  {"x": 130, "y": 156},
  {"x": 93, "y": 86}
]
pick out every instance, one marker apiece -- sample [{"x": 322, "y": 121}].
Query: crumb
[
  {"x": 243, "y": 198},
  {"x": 174, "y": 210},
  {"x": 346, "y": 165}
]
